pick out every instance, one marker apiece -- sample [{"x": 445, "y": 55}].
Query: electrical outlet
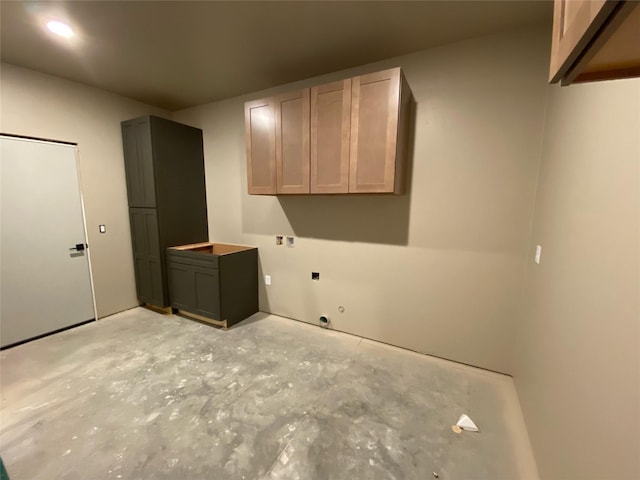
[
  {"x": 267, "y": 279},
  {"x": 290, "y": 242},
  {"x": 315, "y": 276},
  {"x": 279, "y": 239}
]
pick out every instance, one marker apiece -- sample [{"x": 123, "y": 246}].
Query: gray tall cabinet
[{"x": 164, "y": 164}]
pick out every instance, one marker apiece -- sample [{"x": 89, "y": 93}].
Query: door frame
[{"x": 82, "y": 209}]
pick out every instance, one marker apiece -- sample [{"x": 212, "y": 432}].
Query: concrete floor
[{"x": 144, "y": 396}]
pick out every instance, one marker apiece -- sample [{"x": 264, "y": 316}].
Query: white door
[{"x": 45, "y": 281}]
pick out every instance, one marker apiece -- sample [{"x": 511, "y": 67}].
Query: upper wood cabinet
[
  {"x": 376, "y": 155},
  {"x": 330, "y": 133},
  {"x": 292, "y": 142},
  {"x": 595, "y": 40},
  {"x": 348, "y": 136},
  {"x": 261, "y": 149}
]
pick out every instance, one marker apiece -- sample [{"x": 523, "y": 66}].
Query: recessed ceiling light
[{"x": 60, "y": 28}]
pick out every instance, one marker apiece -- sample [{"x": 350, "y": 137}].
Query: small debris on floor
[
  {"x": 456, "y": 429},
  {"x": 465, "y": 423},
  {"x": 435, "y": 475}
]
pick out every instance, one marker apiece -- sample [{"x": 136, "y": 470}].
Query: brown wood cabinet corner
[
  {"x": 260, "y": 139},
  {"x": 292, "y": 142},
  {"x": 595, "y": 40},
  {"x": 375, "y": 115},
  {"x": 348, "y": 136}
]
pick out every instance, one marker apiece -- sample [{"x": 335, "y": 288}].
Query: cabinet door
[
  {"x": 260, "y": 140},
  {"x": 146, "y": 254},
  {"x": 575, "y": 24},
  {"x": 178, "y": 158},
  {"x": 292, "y": 142},
  {"x": 330, "y": 132},
  {"x": 207, "y": 292},
  {"x": 181, "y": 286},
  {"x": 374, "y": 128},
  {"x": 138, "y": 162}
]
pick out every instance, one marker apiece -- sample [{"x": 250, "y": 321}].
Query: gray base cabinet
[{"x": 214, "y": 281}]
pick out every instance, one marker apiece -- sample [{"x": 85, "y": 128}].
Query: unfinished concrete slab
[{"x": 145, "y": 396}]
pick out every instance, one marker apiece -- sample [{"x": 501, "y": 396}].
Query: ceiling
[{"x": 177, "y": 54}]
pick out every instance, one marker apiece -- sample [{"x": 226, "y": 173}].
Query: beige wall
[
  {"x": 43, "y": 106},
  {"x": 577, "y": 366},
  {"x": 438, "y": 270}
]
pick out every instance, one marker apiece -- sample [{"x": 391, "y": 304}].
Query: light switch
[
  {"x": 538, "y": 254},
  {"x": 290, "y": 242},
  {"x": 267, "y": 279},
  {"x": 102, "y": 228}
]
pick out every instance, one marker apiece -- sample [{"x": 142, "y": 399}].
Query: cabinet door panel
[
  {"x": 144, "y": 232},
  {"x": 138, "y": 233},
  {"x": 146, "y": 253},
  {"x": 157, "y": 286},
  {"x": 207, "y": 292},
  {"x": 260, "y": 142},
  {"x": 181, "y": 285},
  {"x": 575, "y": 24},
  {"x": 132, "y": 165},
  {"x": 138, "y": 157},
  {"x": 152, "y": 233},
  {"x": 292, "y": 142},
  {"x": 374, "y": 128},
  {"x": 143, "y": 279},
  {"x": 330, "y": 125}
]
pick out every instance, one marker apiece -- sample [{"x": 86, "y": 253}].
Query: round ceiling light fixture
[{"x": 60, "y": 28}]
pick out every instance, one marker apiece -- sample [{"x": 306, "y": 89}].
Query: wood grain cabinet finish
[
  {"x": 594, "y": 40},
  {"x": 260, "y": 139},
  {"x": 378, "y": 129},
  {"x": 164, "y": 165},
  {"x": 330, "y": 133},
  {"x": 348, "y": 136},
  {"x": 292, "y": 142}
]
